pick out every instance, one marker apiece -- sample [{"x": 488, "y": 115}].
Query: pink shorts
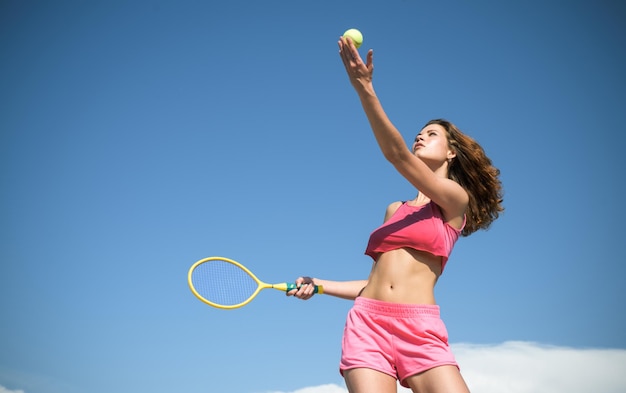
[{"x": 396, "y": 339}]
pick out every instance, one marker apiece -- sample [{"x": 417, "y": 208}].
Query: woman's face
[{"x": 431, "y": 144}]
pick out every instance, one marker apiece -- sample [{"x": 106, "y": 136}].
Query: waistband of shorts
[{"x": 396, "y": 309}]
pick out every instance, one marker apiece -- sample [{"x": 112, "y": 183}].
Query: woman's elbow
[{"x": 396, "y": 157}]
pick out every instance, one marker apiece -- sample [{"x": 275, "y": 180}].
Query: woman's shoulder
[
  {"x": 395, "y": 205},
  {"x": 392, "y": 208}
]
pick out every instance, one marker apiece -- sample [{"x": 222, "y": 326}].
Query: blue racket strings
[{"x": 223, "y": 283}]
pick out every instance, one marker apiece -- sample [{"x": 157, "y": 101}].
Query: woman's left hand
[{"x": 360, "y": 73}]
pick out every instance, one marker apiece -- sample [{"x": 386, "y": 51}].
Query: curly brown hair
[{"x": 473, "y": 170}]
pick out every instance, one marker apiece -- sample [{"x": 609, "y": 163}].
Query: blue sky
[{"x": 138, "y": 137}]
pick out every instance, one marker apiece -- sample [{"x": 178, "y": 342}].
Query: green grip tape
[{"x": 317, "y": 288}]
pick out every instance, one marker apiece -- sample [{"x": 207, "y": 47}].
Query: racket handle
[{"x": 289, "y": 286}]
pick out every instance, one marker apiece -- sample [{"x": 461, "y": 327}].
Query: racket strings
[{"x": 223, "y": 283}]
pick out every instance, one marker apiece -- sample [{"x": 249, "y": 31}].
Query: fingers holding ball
[{"x": 355, "y": 36}]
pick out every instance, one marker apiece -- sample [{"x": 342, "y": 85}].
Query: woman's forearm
[
  {"x": 387, "y": 135},
  {"x": 342, "y": 289}
]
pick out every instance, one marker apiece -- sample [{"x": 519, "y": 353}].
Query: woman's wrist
[{"x": 365, "y": 90}]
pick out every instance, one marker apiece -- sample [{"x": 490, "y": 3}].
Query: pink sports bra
[{"x": 417, "y": 227}]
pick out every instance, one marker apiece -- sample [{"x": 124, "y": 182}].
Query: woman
[{"x": 393, "y": 331}]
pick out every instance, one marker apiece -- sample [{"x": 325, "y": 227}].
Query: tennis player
[{"x": 394, "y": 331}]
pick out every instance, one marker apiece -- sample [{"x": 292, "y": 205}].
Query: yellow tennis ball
[{"x": 355, "y": 36}]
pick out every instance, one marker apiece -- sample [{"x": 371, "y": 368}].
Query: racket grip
[{"x": 317, "y": 288}]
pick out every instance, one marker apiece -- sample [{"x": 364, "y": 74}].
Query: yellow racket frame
[{"x": 261, "y": 285}]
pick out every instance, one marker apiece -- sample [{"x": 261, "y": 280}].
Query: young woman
[{"x": 394, "y": 331}]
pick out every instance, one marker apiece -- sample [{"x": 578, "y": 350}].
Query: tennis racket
[{"x": 226, "y": 284}]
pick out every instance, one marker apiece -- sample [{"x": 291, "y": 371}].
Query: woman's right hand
[{"x": 305, "y": 289}]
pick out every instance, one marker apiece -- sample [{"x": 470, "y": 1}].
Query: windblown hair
[{"x": 473, "y": 170}]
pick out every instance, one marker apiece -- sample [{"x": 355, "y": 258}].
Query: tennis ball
[{"x": 355, "y": 36}]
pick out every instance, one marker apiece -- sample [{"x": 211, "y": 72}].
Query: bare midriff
[{"x": 404, "y": 276}]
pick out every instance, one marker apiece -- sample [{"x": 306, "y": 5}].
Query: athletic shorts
[{"x": 400, "y": 340}]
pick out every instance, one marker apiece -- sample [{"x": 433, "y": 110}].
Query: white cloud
[
  {"x": 330, "y": 388},
  {"x": 523, "y": 367},
  {"x": 5, "y": 390}
]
